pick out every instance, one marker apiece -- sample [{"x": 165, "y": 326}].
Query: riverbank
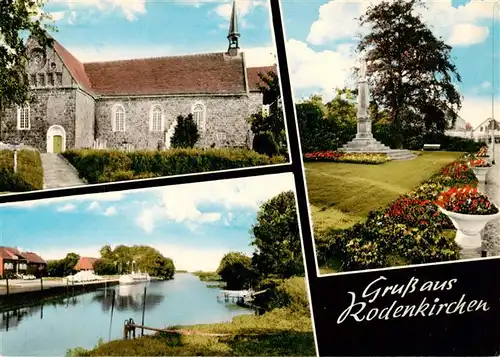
[{"x": 283, "y": 331}]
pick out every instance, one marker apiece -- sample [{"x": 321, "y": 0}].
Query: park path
[
  {"x": 58, "y": 173},
  {"x": 491, "y": 233}
]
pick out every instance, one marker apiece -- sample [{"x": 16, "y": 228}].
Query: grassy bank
[
  {"x": 207, "y": 275},
  {"x": 29, "y": 175},
  {"x": 343, "y": 194},
  {"x": 97, "y": 166},
  {"x": 285, "y": 330}
]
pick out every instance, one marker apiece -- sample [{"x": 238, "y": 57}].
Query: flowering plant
[
  {"x": 466, "y": 200},
  {"x": 456, "y": 173},
  {"x": 336, "y": 156},
  {"x": 415, "y": 212},
  {"x": 479, "y": 163},
  {"x": 482, "y": 152}
]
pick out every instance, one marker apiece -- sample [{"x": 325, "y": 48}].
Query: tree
[
  {"x": 409, "y": 69},
  {"x": 17, "y": 18},
  {"x": 104, "y": 266},
  {"x": 69, "y": 263},
  {"x": 276, "y": 238},
  {"x": 186, "y": 132},
  {"x": 269, "y": 130},
  {"x": 235, "y": 269},
  {"x": 106, "y": 252}
]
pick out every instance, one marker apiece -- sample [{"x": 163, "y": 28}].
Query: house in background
[
  {"x": 85, "y": 264},
  {"x": 37, "y": 266},
  {"x": 134, "y": 104},
  {"x": 15, "y": 262},
  {"x": 483, "y": 131}
]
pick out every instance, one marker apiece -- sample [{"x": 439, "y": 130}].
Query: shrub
[
  {"x": 98, "y": 166},
  {"x": 29, "y": 174},
  {"x": 186, "y": 132},
  {"x": 265, "y": 143},
  {"x": 283, "y": 293}
]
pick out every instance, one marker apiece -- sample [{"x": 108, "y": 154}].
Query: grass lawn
[
  {"x": 281, "y": 332},
  {"x": 343, "y": 194},
  {"x": 29, "y": 174}
]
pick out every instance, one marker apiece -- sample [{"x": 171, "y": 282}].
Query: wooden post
[
  {"x": 484, "y": 254},
  {"x": 143, "y": 311},
  {"x": 67, "y": 287},
  {"x": 15, "y": 160},
  {"x": 7, "y": 285},
  {"x": 41, "y": 283},
  {"x": 112, "y": 310}
]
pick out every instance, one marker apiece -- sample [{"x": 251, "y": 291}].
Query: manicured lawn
[{"x": 343, "y": 194}]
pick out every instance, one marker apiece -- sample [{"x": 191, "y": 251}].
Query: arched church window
[
  {"x": 156, "y": 122},
  {"x": 23, "y": 118},
  {"x": 119, "y": 118},
  {"x": 199, "y": 116}
]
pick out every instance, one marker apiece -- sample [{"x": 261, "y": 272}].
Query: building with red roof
[
  {"x": 135, "y": 103},
  {"x": 15, "y": 262},
  {"x": 85, "y": 263}
]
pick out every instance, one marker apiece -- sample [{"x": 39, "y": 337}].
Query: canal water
[{"x": 80, "y": 321}]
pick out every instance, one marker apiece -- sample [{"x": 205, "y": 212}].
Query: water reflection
[{"x": 128, "y": 298}]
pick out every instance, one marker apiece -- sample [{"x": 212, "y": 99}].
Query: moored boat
[{"x": 134, "y": 278}]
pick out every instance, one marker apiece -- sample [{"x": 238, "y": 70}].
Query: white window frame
[
  {"x": 115, "y": 110},
  {"x": 26, "y": 108},
  {"x": 200, "y": 122},
  {"x": 152, "y": 119}
]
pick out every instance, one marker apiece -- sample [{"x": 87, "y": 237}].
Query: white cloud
[
  {"x": 486, "y": 85},
  {"x": 93, "y": 206},
  {"x": 337, "y": 20},
  {"x": 243, "y": 7},
  {"x": 181, "y": 203},
  {"x": 110, "y": 211},
  {"x": 107, "y": 196},
  {"x": 467, "y": 34},
  {"x": 131, "y": 9},
  {"x": 69, "y": 207},
  {"x": 57, "y": 16}
]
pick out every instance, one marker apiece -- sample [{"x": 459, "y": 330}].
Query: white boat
[{"x": 134, "y": 278}]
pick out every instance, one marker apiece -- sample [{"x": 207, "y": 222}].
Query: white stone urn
[
  {"x": 480, "y": 173},
  {"x": 469, "y": 227}
]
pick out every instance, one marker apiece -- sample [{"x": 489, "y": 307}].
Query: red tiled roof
[
  {"x": 253, "y": 76},
  {"x": 74, "y": 66},
  {"x": 191, "y": 74},
  {"x": 211, "y": 73},
  {"x": 8, "y": 252},
  {"x": 85, "y": 263},
  {"x": 33, "y": 258}
]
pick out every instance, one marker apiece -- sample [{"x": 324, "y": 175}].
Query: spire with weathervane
[{"x": 233, "y": 35}]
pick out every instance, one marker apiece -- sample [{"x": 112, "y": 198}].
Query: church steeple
[{"x": 233, "y": 34}]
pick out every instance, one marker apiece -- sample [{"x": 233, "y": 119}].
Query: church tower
[{"x": 233, "y": 35}]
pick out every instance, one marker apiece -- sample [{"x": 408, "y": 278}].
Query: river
[{"x": 54, "y": 327}]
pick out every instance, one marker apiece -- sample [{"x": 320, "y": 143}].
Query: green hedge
[
  {"x": 29, "y": 174},
  {"x": 97, "y": 166}
]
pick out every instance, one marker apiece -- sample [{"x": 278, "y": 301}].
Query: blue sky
[
  {"x": 96, "y": 30},
  {"x": 320, "y": 36},
  {"x": 194, "y": 224}
]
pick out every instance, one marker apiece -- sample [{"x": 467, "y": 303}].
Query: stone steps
[
  {"x": 58, "y": 173},
  {"x": 393, "y": 154}
]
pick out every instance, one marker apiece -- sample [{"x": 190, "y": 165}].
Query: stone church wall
[
  {"x": 225, "y": 119},
  {"x": 85, "y": 118},
  {"x": 48, "y": 107}
]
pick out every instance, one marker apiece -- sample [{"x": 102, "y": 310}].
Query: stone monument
[{"x": 364, "y": 142}]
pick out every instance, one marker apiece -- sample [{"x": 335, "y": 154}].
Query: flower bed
[
  {"x": 479, "y": 163},
  {"x": 411, "y": 230},
  {"x": 466, "y": 200},
  {"x": 354, "y": 158}
]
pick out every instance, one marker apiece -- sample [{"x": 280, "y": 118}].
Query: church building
[{"x": 134, "y": 104}]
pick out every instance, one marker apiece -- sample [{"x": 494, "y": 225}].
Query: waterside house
[{"x": 13, "y": 262}]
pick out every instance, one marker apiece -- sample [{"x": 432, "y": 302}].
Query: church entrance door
[{"x": 57, "y": 145}]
